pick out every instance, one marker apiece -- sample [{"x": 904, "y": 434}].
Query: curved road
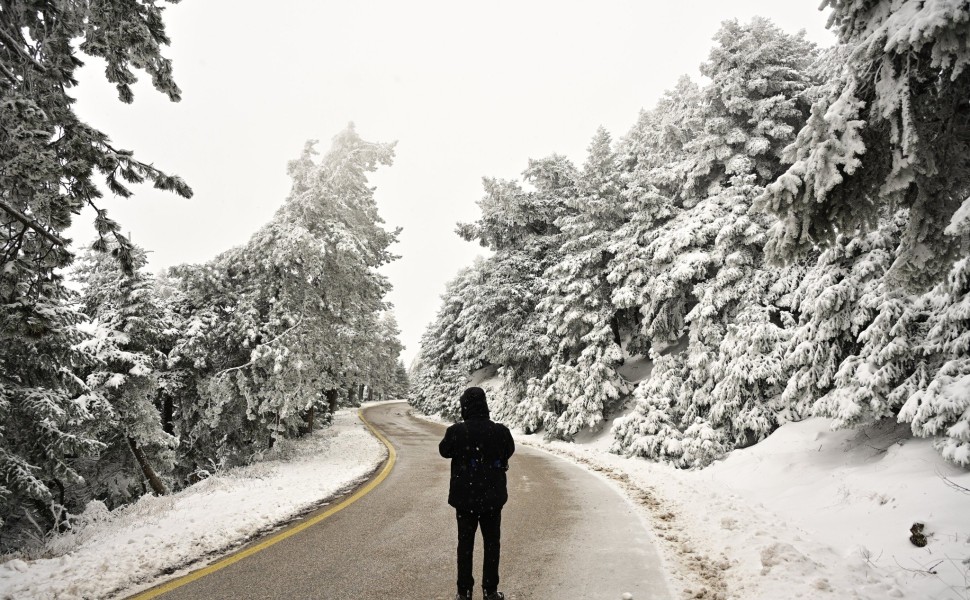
[{"x": 566, "y": 535}]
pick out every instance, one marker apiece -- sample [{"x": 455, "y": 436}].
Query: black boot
[{"x": 494, "y": 595}]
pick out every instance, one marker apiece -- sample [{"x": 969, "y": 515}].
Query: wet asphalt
[{"x": 566, "y": 535}]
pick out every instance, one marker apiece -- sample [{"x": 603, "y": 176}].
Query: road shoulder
[{"x": 139, "y": 546}]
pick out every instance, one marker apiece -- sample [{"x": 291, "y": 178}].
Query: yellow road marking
[{"x": 279, "y": 537}]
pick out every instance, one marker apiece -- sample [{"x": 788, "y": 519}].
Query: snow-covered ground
[
  {"x": 808, "y": 513},
  {"x": 133, "y": 547}
]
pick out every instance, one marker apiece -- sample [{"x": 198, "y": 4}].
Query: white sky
[{"x": 468, "y": 90}]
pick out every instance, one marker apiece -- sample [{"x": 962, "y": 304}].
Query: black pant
[{"x": 468, "y": 523}]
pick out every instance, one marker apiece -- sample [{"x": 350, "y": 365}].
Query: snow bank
[
  {"x": 112, "y": 551},
  {"x": 808, "y": 513}
]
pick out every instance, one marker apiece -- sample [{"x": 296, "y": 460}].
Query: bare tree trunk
[
  {"x": 370, "y": 394},
  {"x": 309, "y": 419},
  {"x": 615, "y": 326},
  {"x": 332, "y": 402},
  {"x": 60, "y": 489},
  {"x": 360, "y": 394},
  {"x": 168, "y": 412},
  {"x": 157, "y": 486}
]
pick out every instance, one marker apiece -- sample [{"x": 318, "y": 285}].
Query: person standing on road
[{"x": 479, "y": 450}]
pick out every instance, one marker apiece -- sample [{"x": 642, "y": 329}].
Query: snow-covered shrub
[
  {"x": 942, "y": 407},
  {"x": 835, "y": 300},
  {"x": 652, "y": 429},
  {"x": 579, "y": 396}
]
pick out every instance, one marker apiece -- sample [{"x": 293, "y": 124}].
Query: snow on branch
[{"x": 272, "y": 341}]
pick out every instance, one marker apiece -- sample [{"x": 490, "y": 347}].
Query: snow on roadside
[
  {"x": 112, "y": 551},
  {"x": 808, "y": 513}
]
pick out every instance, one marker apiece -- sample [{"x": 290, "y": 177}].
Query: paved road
[{"x": 566, "y": 535}]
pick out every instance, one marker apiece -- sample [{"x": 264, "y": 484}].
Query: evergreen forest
[
  {"x": 786, "y": 238},
  {"x": 115, "y": 382}
]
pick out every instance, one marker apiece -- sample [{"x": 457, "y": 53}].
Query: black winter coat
[{"x": 479, "y": 450}]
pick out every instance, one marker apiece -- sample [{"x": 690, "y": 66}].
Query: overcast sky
[{"x": 468, "y": 90}]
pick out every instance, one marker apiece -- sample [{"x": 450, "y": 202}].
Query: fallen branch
[
  {"x": 931, "y": 570},
  {"x": 954, "y": 485},
  {"x": 962, "y": 591}
]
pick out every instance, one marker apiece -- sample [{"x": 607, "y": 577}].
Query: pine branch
[
  {"x": 14, "y": 243},
  {"x": 19, "y": 50},
  {"x": 16, "y": 214},
  {"x": 272, "y": 341},
  {"x": 10, "y": 75}
]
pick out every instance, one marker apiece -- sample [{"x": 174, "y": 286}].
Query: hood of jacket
[{"x": 473, "y": 404}]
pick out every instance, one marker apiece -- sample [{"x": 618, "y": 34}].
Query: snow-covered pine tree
[
  {"x": 509, "y": 331},
  {"x": 209, "y": 308},
  {"x": 493, "y": 320},
  {"x": 737, "y": 331},
  {"x": 278, "y": 326},
  {"x": 440, "y": 375},
  {"x": 653, "y": 152},
  {"x": 757, "y": 98},
  {"x": 888, "y": 327},
  {"x": 707, "y": 276},
  {"x": 838, "y": 297},
  {"x": 892, "y": 134},
  {"x": 554, "y": 181},
  {"x": 654, "y": 172},
  {"x": 51, "y": 160},
  {"x": 700, "y": 274},
  {"x": 940, "y": 404},
  {"x": 653, "y": 428},
  {"x": 512, "y": 215},
  {"x": 379, "y": 365},
  {"x": 582, "y": 386},
  {"x": 334, "y": 202},
  {"x": 748, "y": 373},
  {"x": 400, "y": 385},
  {"x": 51, "y": 156},
  {"x": 753, "y": 107},
  {"x": 129, "y": 341},
  {"x": 889, "y": 366},
  {"x": 45, "y": 412}
]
